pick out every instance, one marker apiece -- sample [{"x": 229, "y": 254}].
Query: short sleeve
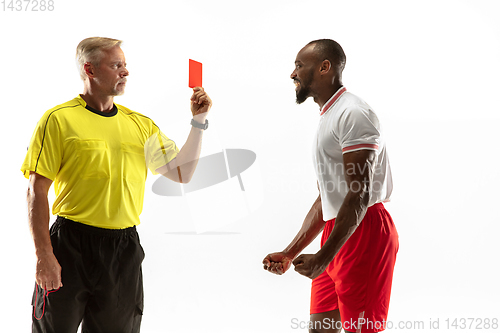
[
  {"x": 44, "y": 154},
  {"x": 159, "y": 150},
  {"x": 358, "y": 129}
]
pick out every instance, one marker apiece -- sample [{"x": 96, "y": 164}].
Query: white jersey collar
[{"x": 332, "y": 100}]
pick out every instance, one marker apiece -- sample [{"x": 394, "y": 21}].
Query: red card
[{"x": 195, "y": 70}]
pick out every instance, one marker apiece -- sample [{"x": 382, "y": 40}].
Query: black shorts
[{"x": 102, "y": 281}]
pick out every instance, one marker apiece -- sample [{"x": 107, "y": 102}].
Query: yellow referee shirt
[{"x": 97, "y": 161}]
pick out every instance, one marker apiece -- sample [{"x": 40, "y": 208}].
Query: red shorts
[{"x": 358, "y": 280}]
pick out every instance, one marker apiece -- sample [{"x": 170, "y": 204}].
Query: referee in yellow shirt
[{"x": 97, "y": 154}]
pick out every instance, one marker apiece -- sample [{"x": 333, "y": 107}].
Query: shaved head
[{"x": 327, "y": 49}]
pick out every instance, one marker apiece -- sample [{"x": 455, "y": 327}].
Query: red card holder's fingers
[{"x": 195, "y": 74}]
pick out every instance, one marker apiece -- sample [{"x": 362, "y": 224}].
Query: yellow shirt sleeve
[
  {"x": 159, "y": 150},
  {"x": 45, "y": 151}
]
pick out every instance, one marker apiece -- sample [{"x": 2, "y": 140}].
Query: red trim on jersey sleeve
[
  {"x": 347, "y": 149},
  {"x": 333, "y": 100}
]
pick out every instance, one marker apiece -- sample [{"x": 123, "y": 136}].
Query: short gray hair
[{"x": 91, "y": 50}]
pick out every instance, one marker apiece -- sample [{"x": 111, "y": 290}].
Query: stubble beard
[{"x": 118, "y": 92}]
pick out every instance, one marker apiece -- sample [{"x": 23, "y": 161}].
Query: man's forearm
[
  {"x": 312, "y": 226},
  {"x": 187, "y": 159},
  {"x": 38, "y": 218},
  {"x": 182, "y": 168},
  {"x": 350, "y": 215},
  {"x": 48, "y": 270}
]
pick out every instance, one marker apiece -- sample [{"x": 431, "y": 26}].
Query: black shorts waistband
[{"x": 60, "y": 221}]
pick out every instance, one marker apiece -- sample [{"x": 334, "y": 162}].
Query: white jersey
[{"x": 348, "y": 124}]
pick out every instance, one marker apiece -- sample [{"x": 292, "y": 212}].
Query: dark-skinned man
[{"x": 352, "y": 272}]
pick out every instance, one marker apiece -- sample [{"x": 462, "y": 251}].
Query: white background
[{"x": 430, "y": 70}]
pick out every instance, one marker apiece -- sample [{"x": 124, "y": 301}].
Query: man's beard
[
  {"x": 302, "y": 94},
  {"x": 305, "y": 87},
  {"x": 118, "y": 92}
]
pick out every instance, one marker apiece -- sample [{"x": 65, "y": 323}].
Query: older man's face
[{"x": 111, "y": 74}]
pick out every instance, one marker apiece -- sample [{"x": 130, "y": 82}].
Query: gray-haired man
[{"x": 97, "y": 154}]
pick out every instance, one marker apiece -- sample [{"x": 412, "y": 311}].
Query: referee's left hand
[{"x": 308, "y": 265}]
